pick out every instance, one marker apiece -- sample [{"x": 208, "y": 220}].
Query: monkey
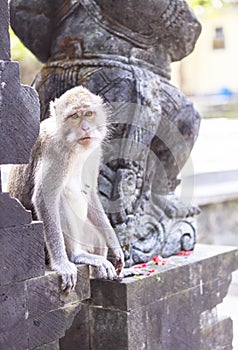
[{"x": 59, "y": 186}]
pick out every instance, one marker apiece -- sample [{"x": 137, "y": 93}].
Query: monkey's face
[
  {"x": 81, "y": 118},
  {"x": 85, "y": 125}
]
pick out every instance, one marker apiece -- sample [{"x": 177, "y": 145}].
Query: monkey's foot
[{"x": 173, "y": 207}]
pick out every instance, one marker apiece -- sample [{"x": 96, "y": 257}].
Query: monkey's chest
[{"x": 75, "y": 199}]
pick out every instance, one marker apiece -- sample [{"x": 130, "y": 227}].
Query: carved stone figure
[{"x": 122, "y": 51}]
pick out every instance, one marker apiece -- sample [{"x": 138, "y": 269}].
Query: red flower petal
[
  {"x": 158, "y": 260},
  {"x": 185, "y": 253}
]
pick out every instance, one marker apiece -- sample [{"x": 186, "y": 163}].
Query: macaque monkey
[{"x": 59, "y": 185}]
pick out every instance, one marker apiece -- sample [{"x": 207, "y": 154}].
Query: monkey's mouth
[{"x": 85, "y": 140}]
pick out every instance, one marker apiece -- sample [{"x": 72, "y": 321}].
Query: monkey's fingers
[
  {"x": 106, "y": 270},
  {"x": 119, "y": 260},
  {"x": 68, "y": 273},
  {"x": 68, "y": 282}
]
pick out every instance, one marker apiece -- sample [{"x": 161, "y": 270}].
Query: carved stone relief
[{"x": 122, "y": 51}]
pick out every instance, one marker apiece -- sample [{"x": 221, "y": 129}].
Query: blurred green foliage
[
  {"x": 212, "y": 3},
  {"x": 29, "y": 65}
]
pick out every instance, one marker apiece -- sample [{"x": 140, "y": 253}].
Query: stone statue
[{"x": 122, "y": 51}]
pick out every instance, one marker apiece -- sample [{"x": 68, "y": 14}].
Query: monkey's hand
[
  {"x": 68, "y": 272},
  {"x": 119, "y": 259},
  {"x": 102, "y": 267}
]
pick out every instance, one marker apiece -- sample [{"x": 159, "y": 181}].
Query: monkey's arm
[
  {"x": 46, "y": 202},
  {"x": 97, "y": 216}
]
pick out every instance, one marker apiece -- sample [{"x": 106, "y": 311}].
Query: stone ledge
[
  {"x": 206, "y": 263},
  {"x": 212, "y": 187},
  {"x": 162, "y": 311}
]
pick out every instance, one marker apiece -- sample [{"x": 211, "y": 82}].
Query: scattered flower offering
[
  {"x": 158, "y": 260},
  {"x": 141, "y": 266},
  {"x": 146, "y": 269},
  {"x": 185, "y": 253}
]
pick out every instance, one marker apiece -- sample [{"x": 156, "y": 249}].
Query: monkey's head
[{"x": 81, "y": 117}]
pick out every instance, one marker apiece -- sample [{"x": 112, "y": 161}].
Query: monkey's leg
[{"x": 100, "y": 222}]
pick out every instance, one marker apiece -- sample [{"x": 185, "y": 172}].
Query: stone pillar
[
  {"x": 22, "y": 254},
  {"x": 34, "y": 313},
  {"x": 172, "y": 308}
]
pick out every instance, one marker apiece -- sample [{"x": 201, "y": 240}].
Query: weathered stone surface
[
  {"x": 24, "y": 325},
  {"x": 212, "y": 336},
  {"x": 44, "y": 293},
  {"x": 12, "y": 213},
  {"x": 108, "y": 329},
  {"x": 22, "y": 254},
  {"x": 79, "y": 332},
  {"x": 13, "y": 328},
  {"x": 20, "y": 112},
  {"x": 206, "y": 264},
  {"x": 162, "y": 311},
  {"x": 4, "y": 24},
  {"x": 50, "y": 346},
  {"x": 51, "y": 326}
]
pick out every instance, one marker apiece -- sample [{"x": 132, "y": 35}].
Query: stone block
[
  {"x": 51, "y": 326},
  {"x": 4, "y": 25},
  {"x": 23, "y": 253},
  {"x": 108, "y": 329},
  {"x": 13, "y": 309},
  {"x": 44, "y": 293},
  {"x": 12, "y": 213},
  {"x": 22, "y": 104},
  {"x": 78, "y": 333},
  {"x": 161, "y": 311},
  {"x": 212, "y": 336}
]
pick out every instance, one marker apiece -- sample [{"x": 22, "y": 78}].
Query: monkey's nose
[{"x": 85, "y": 125}]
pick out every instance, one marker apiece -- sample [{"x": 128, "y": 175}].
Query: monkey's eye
[
  {"x": 88, "y": 114},
  {"x": 74, "y": 116}
]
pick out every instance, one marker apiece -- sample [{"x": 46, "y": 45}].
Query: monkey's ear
[{"x": 52, "y": 108}]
